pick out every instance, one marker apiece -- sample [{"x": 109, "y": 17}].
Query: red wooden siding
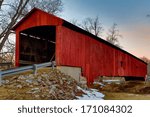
[
  {"x": 37, "y": 18},
  {"x": 94, "y": 57}
]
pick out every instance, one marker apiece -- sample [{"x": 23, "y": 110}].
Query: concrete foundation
[{"x": 74, "y": 72}]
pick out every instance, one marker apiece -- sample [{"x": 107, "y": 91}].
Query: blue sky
[{"x": 130, "y": 15}]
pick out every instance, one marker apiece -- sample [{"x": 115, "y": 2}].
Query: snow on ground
[
  {"x": 90, "y": 94},
  {"x": 112, "y": 81},
  {"x": 101, "y": 84}
]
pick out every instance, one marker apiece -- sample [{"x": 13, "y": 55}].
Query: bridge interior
[{"x": 37, "y": 45}]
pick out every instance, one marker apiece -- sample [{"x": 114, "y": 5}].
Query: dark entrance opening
[{"x": 37, "y": 45}]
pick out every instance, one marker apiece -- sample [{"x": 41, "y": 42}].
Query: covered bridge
[{"x": 42, "y": 37}]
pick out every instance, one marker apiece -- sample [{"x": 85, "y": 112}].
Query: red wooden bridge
[{"x": 41, "y": 37}]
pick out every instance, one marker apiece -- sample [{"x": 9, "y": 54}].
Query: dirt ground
[{"x": 129, "y": 90}]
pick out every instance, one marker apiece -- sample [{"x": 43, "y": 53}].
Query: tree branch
[
  {"x": 4, "y": 35},
  {"x": 1, "y": 2}
]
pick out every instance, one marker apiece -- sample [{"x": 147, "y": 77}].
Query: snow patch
[
  {"x": 90, "y": 94},
  {"x": 101, "y": 84}
]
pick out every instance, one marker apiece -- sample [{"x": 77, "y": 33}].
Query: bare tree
[
  {"x": 17, "y": 9},
  {"x": 14, "y": 10},
  {"x": 145, "y": 59},
  {"x": 75, "y": 22},
  {"x": 10, "y": 19},
  {"x": 50, "y": 6},
  {"x": 7, "y": 57},
  {"x": 113, "y": 35},
  {"x": 93, "y": 26}
]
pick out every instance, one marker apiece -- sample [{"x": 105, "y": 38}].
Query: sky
[{"x": 130, "y": 16}]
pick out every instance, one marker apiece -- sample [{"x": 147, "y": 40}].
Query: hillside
[{"x": 46, "y": 84}]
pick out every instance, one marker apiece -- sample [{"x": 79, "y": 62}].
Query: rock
[
  {"x": 64, "y": 79},
  {"x": 61, "y": 82},
  {"x": 44, "y": 75},
  {"x": 21, "y": 77},
  {"x": 31, "y": 86},
  {"x": 19, "y": 86},
  {"x": 73, "y": 94},
  {"x": 36, "y": 96},
  {"x": 83, "y": 82},
  {"x": 35, "y": 83},
  {"x": 29, "y": 81},
  {"x": 61, "y": 92},
  {"x": 34, "y": 90},
  {"x": 6, "y": 82},
  {"x": 39, "y": 79},
  {"x": 53, "y": 87},
  {"x": 31, "y": 76}
]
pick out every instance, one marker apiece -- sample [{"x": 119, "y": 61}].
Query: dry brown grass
[
  {"x": 130, "y": 90},
  {"x": 125, "y": 96},
  {"x": 138, "y": 87}
]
